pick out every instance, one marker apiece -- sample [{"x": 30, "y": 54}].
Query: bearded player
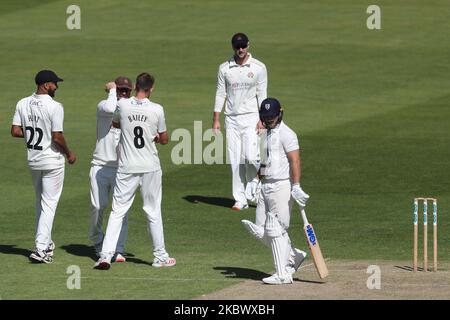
[{"x": 39, "y": 120}]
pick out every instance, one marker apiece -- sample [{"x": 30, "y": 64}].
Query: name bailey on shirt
[{"x": 137, "y": 117}]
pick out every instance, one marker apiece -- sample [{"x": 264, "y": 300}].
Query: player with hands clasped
[
  {"x": 104, "y": 165},
  {"x": 39, "y": 120},
  {"x": 280, "y": 186},
  {"x": 142, "y": 125},
  {"x": 241, "y": 86}
]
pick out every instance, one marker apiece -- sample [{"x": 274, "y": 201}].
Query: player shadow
[
  {"x": 242, "y": 273},
  {"x": 308, "y": 281},
  {"x": 408, "y": 268},
  {"x": 11, "y": 249},
  {"x": 215, "y": 201},
  {"x": 80, "y": 250},
  {"x": 137, "y": 260}
]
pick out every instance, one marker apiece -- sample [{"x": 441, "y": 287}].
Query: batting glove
[
  {"x": 252, "y": 190},
  {"x": 299, "y": 195}
]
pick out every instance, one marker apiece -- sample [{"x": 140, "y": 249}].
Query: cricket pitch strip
[{"x": 348, "y": 280}]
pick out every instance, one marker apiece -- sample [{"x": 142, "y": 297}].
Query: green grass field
[{"x": 371, "y": 109}]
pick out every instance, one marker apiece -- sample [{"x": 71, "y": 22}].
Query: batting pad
[
  {"x": 253, "y": 229},
  {"x": 280, "y": 251},
  {"x": 273, "y": 227}
]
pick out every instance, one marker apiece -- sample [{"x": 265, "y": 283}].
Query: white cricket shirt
[
  {"x": 277, "y": 143},
  {"x": 39, "y": 115},
  {"x": 106, "y": 148},
  {"x": 140, "y": 121},
  {"x": 241, "y": 88}
]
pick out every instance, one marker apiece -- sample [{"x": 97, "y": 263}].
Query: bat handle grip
[{"x": 303, "y": 214}]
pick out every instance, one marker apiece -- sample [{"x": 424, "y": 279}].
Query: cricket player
[
  {"x": 280, "y": 175},
  {"x": 142, "y": 125},
  {"x": 39, "y": 120},
  {"x": 241, "y": 86},
  {"x": 104, "y": 165}
]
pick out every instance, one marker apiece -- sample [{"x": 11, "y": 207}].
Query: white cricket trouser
[
  {"x": 48, "y": 185},
  {"x": 242, "y": 151},
  {"x": 103, "y": 179},
  {"x": 124, "y": 192},
  {"x": 276, "y": 199}
]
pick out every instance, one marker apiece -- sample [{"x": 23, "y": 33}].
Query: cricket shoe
[
  {"x": 169, "y": 262},
  {"x": 276, "y": 279},
  {"x": 119, "y": 258},
  {"x": 50, "y": 249},
  {"x": 103, "y": 263},
  {"x": 295, "y": 261},
  {"x": 40, "y": 256},
  {"x": 238, "y": 206}
]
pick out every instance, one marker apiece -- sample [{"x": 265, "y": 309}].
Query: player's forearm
[
  {"x": 221, "y": 92},
  {"x": 111, "y": 102},
  {"x": 261, "y": 88},
  {"x": 261, "y": 93},
  {"x": 295, "y": 172},
  {"x": 294, "y": 167},
  {"x": 163, "y": 137},
  {"x": 16, "y": 131},
  {"x": 216, "y": 116},
  {"x": 60, "y": 142},
  {"x": 219, "y": 103}
]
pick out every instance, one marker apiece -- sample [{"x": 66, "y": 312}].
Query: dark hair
[{"x": 144, "y": 82}]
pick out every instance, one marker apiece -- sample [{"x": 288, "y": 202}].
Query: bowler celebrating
[
  {"x": 142, "y": 124},
  {"x": 104, "y": 165}
]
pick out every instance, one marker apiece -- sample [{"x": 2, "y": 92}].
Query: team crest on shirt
[
  {"x": 36, "y": 103},
  {"x": 250, "y": 74}
]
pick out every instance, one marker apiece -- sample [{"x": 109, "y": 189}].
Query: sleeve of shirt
[
  {"x": 162, "y": 122},
  {"x": 17, "y": 121},
  {"x": 57, "y": 118},
  {"x": 221, "y": 93},
  {"x": 116, "y": 114},
  {"x": 261, "y": 87},
  {"x": 290, "y": 141},
  {"x": 110, "y": 104}
]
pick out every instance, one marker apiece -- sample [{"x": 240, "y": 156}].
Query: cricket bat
[{"x": 313, "y": 244}]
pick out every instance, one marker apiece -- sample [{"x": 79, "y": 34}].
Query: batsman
[{"x": 280, "y": 185}]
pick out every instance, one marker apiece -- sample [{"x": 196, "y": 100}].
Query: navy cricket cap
[
  {"x": 239, "y": 39},
  {"x": 270, "y": 107},
  {"x": 44, "y": 76}
]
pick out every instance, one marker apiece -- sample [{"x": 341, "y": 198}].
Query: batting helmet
[{"x": 269, "y": 110}]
